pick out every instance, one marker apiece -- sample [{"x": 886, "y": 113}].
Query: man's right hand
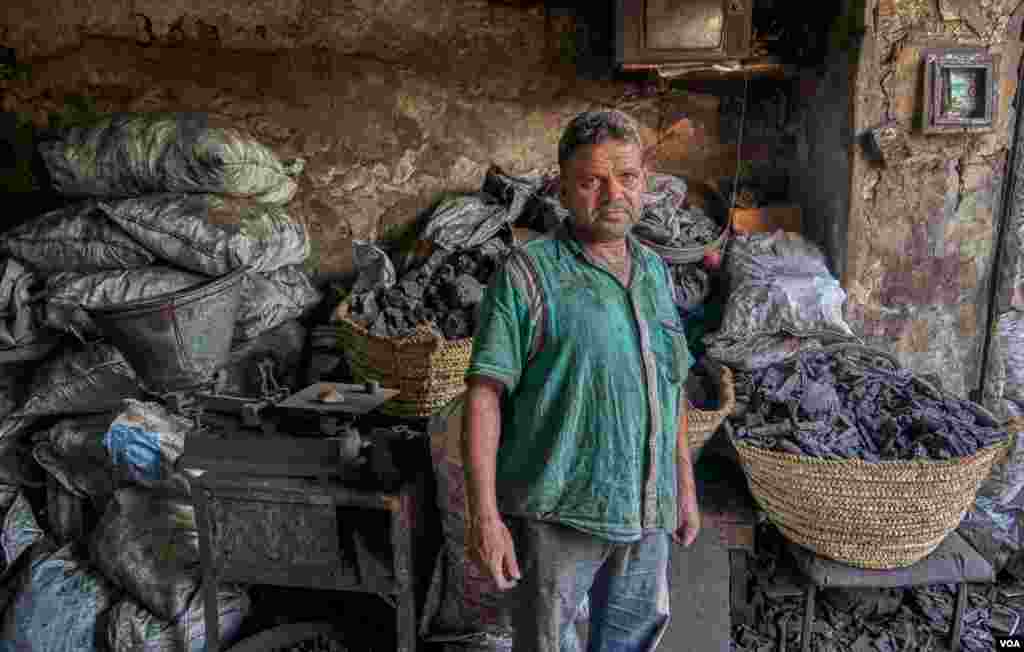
[{"x": 489, "y": 546}]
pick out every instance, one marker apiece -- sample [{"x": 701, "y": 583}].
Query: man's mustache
[{"x": 622, "y": 206}]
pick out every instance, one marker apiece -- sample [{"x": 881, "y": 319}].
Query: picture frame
[{"x": 961, "y": 87}]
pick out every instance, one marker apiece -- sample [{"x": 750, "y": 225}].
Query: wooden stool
[{"x": 953, "y": 562}]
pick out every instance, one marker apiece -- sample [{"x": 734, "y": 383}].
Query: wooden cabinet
[{"x": 651, "y": 33}]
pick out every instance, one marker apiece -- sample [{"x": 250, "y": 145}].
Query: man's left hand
[{"x": 689, "y": 520}]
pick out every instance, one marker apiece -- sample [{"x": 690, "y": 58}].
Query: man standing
[{"x": 577, "y": 465}]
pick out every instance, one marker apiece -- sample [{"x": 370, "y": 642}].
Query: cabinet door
[
  {"x": 684, "y": 24},
  {"x": 652, "y": 32}
]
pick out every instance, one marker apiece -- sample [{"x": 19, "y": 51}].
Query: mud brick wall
[
  {"x": 391, "y": 103},
  {"x": 922, "y": 229}
]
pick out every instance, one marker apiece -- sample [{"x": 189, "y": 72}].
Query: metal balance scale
[{"x": 272, "y": 478}]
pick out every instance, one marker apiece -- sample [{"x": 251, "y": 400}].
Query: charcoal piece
[
  {"x": 455, "y": 325},
  {"x": 394, "y": 298},
  {"x": 380, "y": 326},
  {"x": 465, "y": 263},
  {"x": 412, "y": 289},
  {"x": 446, "y": 274},
  {"x": 465, "y": 291}
]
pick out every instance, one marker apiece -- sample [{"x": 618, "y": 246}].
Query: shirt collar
[{"x": 564, "y": 233}]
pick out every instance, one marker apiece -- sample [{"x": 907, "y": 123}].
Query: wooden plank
[
  {"x": 767, "y": 219},
  {"x": 286, "y": 456}
]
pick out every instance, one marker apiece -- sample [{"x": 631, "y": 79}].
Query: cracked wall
[
  {"x": 390, "y": 103},
  {"x": 922, "y": 229}
]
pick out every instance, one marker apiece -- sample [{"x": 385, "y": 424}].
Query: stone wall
[
  {"x": 922, "y": 229},
  {"x": 390, "y": 103}
]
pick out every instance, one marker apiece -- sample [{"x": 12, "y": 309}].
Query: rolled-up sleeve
[{"x": 504, "y": 331}]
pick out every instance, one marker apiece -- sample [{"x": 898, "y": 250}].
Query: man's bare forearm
[
  {"x": 480, "y": 436},
  {"x": 684, "y": 466}
]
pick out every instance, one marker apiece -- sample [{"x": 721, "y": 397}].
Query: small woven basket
[
  {"x": 703, "y": 424},
  {"x": 427, "y": 370},
  {"x": 876, "y": 515}
]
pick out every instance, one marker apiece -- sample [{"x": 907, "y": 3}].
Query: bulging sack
[
  {"x": 132, "y": 628},
  {"x": 133, "y": 154},
  {"x": 269, "y": 300},
  {"x": 212, "y": 235},
  {"x": 18, "y": 320},
  {"x": 76, "y": 238},
  {"x": 58, "y": 604},
  {"x": 144, "y": 443},
  {"x": 148, "y": 544},
  {"x": 90, "y": 378}
]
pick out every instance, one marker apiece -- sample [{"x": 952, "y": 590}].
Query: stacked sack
[{"x": 157, "y": 203}]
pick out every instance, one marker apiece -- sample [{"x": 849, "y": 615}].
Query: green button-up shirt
[{"x": 594, "y": 374}]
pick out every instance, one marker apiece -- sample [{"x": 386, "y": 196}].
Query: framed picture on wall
[{"x": 960, "y": 90}]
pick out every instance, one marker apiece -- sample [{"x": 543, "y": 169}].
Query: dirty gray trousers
[{"x": 627, "y": 584}]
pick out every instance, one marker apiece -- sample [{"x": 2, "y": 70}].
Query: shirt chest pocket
[{"x": 671, "y": 354}]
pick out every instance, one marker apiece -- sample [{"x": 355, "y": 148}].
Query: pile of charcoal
[
  {"x": 832, "y": 403},
  {"x": 863, "y": 620},
  {"x": 443, "y": 291}
]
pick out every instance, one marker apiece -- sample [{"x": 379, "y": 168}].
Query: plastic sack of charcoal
[
  {"x": 993, "y": 523},
  {"x": 467, "y": 222},
  {"x": 76, "y": 238},
  {"x": 666, "y": 220},
  {"x": 1004, "y": 377},
  {"x": 12, "y": 387},
  {"x": 70, "y": 295},
  {"x": 132, "y": 628},
  {"x": 374, "y": 269},
  {"x": 692, "y": 285},
  {"x": 779, "y": 286},
  {"x": 19, "y": 531},
  {"x": 256, "y": 366},
  {"x": 532, "y": 201},
  {"x": 18, "y": 322},
  {"x": 268, "y": 300},
  {"x": 59, "y": 602},
  {"x": 17, "y": 468},
  {"x": 464, "y": 602},
  {"x": 148, "y": 545},
  {"x": 212, "y": 235},
  {"x": 144, "y": 443},
  {"x": 68, "y": 517},
  {"x": 72, "y": 453},
  {"x": 133, "y": 154},
  {"x": 514, "y": 193},
  {"x": 83, "y": 379},
  {"x": 20, "y": 527}
]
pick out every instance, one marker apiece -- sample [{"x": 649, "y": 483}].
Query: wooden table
[{"x": 308, "y": 533}]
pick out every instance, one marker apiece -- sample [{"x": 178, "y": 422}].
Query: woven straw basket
[
  {"x": 877, "y": 515},
  {"x": 703, "y": 423},
  {"x": 427, "y": 370}
]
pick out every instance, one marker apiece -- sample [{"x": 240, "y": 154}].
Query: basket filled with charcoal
[{"x": 858, "y": 459}]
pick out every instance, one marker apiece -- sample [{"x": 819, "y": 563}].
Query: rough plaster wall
[
  {"x": 391, "y": 103},
  {"x": 922, "y": 229}
]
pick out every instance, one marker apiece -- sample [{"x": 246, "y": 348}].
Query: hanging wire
[{"x": 739, "y": 143}]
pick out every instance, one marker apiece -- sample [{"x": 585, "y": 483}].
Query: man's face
[{"x": 602, "y": 186}]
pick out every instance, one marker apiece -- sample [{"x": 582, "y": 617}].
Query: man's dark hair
[{"x": 594, "y": 128}]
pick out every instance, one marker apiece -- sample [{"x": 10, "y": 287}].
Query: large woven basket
[
  {"x": 702, "y": 424},
  {"x": 427, "y": 370},
  {"x": 877, "y": 515}
]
